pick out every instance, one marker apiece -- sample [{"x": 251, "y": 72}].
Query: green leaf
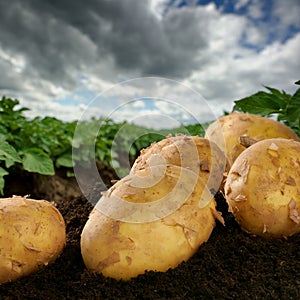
[
  {"x": 2, "y": 137},
  {"x": 9, "y": 154},
  {"x": 281, "y": 98},
  {"x": 65, "y": 160},
  {"x": 287, "y": 107},
  {"x": 36, "y": 160},
  {"x": 260, "y": 103},
  {"x": 293, "y": 111},
  {"x": 2, "y": 174},
  {"x": 115, "y": 164},
  {"x": 70, "y": 174}
]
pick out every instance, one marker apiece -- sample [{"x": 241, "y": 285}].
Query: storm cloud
[
  {"x": 55, "y": 50},
  {"x": 59, "y": 39}
]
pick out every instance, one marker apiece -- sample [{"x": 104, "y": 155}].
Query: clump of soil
[{"x": 231, "y": 265}]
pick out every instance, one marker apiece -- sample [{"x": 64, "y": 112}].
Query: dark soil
[{"x": 231, "y": 265}]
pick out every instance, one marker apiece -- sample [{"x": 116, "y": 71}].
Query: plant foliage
[
  {"x": 40, "y": 145},
  {"x": 284, "y": 106}
]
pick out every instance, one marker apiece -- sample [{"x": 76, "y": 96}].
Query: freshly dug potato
[
  {"x": 192, "y": 152},
  {"x": 263, "y": 188},
  {"x": 149, "y": 220},
  {"x": 32, "y": 235},
  {"x": 228, "y": 131}
]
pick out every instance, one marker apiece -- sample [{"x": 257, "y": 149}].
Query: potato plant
[{"x": 41, "y": 145}]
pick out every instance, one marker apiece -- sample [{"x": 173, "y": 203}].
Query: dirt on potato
[{"x": 231, "y": 265}]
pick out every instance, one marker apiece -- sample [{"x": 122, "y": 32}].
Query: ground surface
[{"x": 231, "y": 265}]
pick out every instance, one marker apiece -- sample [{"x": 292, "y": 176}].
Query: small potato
[
  {"x": 32, "y": 235},
  {"x": 151, "y": 219},
  {"x": 263, "y": 188},
  {"x": 228, "y": 131},
  {"x": 192, "y": 152}
]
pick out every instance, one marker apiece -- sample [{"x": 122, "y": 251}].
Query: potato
[
  {"x": 192, "y": 152},
  {"x": 153, "y": 219},
  {"x": 227, "y": 131},
  {"x": 32, "y": 235},
  {"x": 263, "y": 188},
  {"x": 122, "y": 240}
]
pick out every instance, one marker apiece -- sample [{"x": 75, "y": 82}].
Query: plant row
[{"x": 41, "y": 145}]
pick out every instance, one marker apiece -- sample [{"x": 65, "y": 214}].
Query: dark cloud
[
  {"x": 60, "y": 39},
  {"x": 52, "y": 48},
  {"x": 66, "y": 51},
  {"x": 10, "y": 81}
]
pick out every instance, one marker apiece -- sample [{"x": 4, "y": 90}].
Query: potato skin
[
  {"x": 125, "y": 249},
  {"x": 263, "y": 188},
  {"x": 32, "y": 235},
  {"x": 227, "y": 130},
  {"x": 193, "y": 152}
]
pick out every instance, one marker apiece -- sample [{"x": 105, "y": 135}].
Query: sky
[{"x": 157, "y": 63}]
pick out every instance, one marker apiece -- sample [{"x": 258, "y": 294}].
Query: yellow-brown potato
[
  {"x": 152, "y": 219},
  {"x": 191, "y": 152},
  {"x": 227, "y": 131},
  {"x": 32, "y": 235},
  {"x": 263, "y": 188}
]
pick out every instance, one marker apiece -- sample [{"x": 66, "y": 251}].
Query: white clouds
[
  {"x": 288, "y": 12},
  {"x": 240, "y": 4},
  {"x": 256, "y": 9},
  {"x": 254, "y": 36},
  {"x": 17, "y": 62},
  {"x": 225, "y": 33},
  {"x": 56, "y": 56},
  {"x": 286, "y": 17},
  {"x": 53, "y": 109},
  {"x": 165, "y": 101},
  {"x": 158, "y": 7},
  {"x": 281, "y": 57},
  {"x": 230, "y": 79}
]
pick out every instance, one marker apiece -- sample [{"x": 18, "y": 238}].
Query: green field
[{"x": 42, "y": 145}]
